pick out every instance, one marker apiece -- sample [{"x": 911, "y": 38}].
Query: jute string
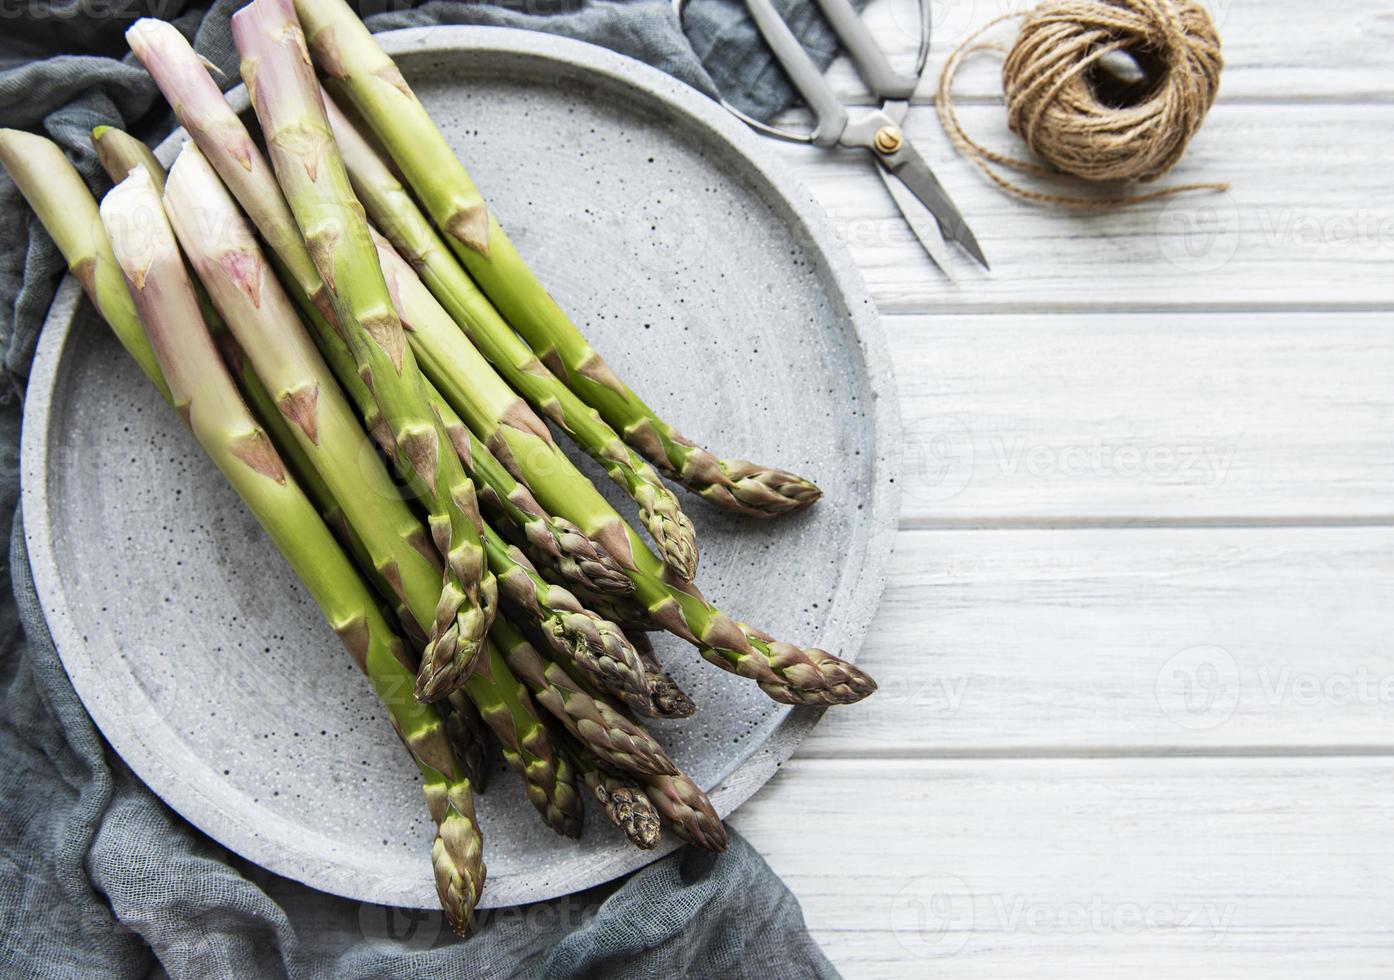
[{"x": 1080, "y": 117}]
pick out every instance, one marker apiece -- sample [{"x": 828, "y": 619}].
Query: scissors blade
[
  {"x": 907, "y": 164},
  {"x": 920, "y": 221}
]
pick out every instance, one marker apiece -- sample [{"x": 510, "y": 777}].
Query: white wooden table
[{"x": 1137, "y": 653}]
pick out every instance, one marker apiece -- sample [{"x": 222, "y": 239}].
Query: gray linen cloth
[{"x": 98, "y": 878}]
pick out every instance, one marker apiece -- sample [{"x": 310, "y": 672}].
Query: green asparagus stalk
[
  {"x": 276, "y": 68},
  {"x": 786, "y": 672},
  {"x": 789, "y": 674},
  {"x": 369, "y": 79},
  {"x": 119, "y": 153},
  {"x": 468, "y": 737},
  {"x": 593, "y": 646},
  {"x": 737, "y": 485},
  {"x": 621, "y": 797},
  {"x": 667, "y": 699},
  {"x": 556, "y": 543},
  {"x": 623, "y": 610},
  {"x": 552, "y": 542},
  {"x": 616, "y": 740},
  {"x": 65, "y": 208},
  {"x": 222, "y": 138},
  {"x": 205, "y": 397},
  {"x": 325, "y": 428},
  {"x": 444, "y": 353},
  {"x": 226, "y": 255},
  {"x": 595, "y": 723},
  {"x": 447, "y": 354},
  {"x": 202, "y": 110},
  {"x": 509, "y": 711},
  {"x": 683, "y": 804}
]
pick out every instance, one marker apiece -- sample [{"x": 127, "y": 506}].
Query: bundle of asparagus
[{"x": 314, "y": 353}]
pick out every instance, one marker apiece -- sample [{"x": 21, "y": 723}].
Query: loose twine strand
[{"x": 1055, "y": 93}]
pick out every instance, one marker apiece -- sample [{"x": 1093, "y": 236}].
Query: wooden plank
[
  {"x": 1280, "y": 50},
  {"x": 1147, "y": 417},
  {"x": 1088, "y": 868},
  {"x": 1308, "y": 223},
  {"x": 1199, "y": 640}
]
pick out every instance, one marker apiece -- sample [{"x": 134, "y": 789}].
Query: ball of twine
[{"x": 1079, "y": 112}]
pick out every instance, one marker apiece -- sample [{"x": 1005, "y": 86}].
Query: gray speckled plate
[{"x": 708, "y": 278}]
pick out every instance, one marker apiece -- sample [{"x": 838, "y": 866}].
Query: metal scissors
[{"x": 907, "y": 176}]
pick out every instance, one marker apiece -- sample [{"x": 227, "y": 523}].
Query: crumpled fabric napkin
[{"x": 98, "y": 878}]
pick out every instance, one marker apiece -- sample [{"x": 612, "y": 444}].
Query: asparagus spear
[
  {"x": 205, "y": 397},
  {"x": 509, "y": 711},
  {"x": 223, "y": 139},
  {"x": 672, "y": 792},
  {"x": 491, "y": 405},
  {"x": 595, "y": 647},
  {"x": 120, "y": 153},
  {"x": 199, "y": 105},
  {"x": 326, "y": 430},
  {"x": 686, "y": 807},
  {"x": 615, "y": 739},
  {"x": 371, "y": 82},
  {"x": 733, "y": 484},
  {"x": 468, "y": 736},
  {"x": 65, "y": 208},
  {"x": 444, "y": 353},
  {"x": 786, "y": 672},
  {"x": 666, "y": 697},
  {"x": 621, "y": 797},
  {"x": 276, "y": 68}
]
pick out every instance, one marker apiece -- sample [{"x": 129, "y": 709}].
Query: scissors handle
[
  {"x": 883, "y": 80},
  {"x": 831, "y": 114}
]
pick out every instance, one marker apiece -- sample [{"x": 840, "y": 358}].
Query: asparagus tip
[{"x": 629, "y": 810}]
